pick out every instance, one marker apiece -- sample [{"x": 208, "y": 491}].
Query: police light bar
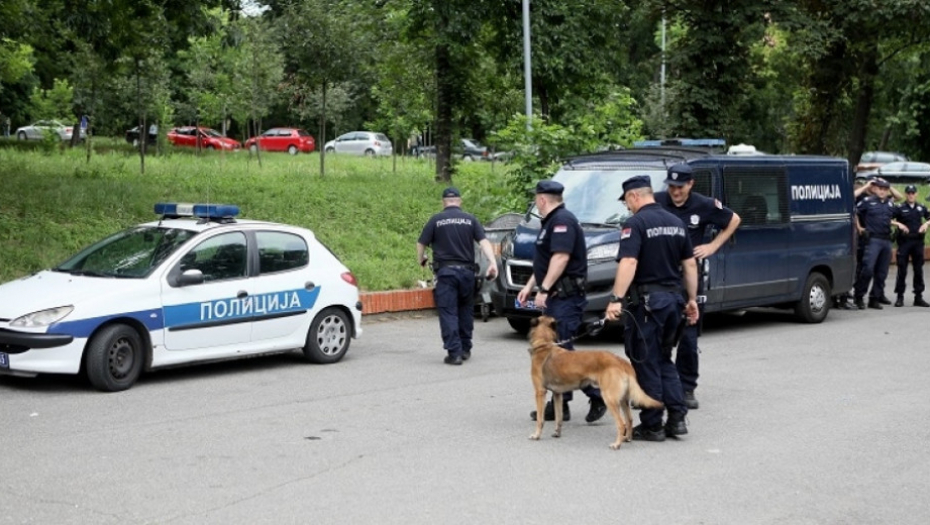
[
  {"x": 692, "y": 143},
  {"x": 203, "y": 211}
]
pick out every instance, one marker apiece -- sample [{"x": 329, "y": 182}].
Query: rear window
[
  {"x": 382, "y": 136},
  {"x": 303, "y": 133}
]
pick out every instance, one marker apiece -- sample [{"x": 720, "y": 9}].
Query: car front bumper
[{"x": 30, "y": 353}]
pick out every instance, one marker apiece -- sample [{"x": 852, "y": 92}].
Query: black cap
[
  {"x": 881, "y": 183},
  {"x": 910, "y": 189},
  {"x": 450, "y": 192},
  {"x": 639, "y": 181},
  {"x": 679, "y": 175},
  {"x": 549, "y": 186}
]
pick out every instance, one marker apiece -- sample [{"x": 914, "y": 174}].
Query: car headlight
[
  {"x": 42, "y": 317},
  {"x": 603, "y": 252}
]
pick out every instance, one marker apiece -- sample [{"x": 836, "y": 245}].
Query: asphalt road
[{"x": 798, "y": 424}]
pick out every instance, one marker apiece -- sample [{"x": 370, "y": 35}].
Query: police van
[
  {"x": 794, "y": 248},
  {"x": 197, "y": 285}
]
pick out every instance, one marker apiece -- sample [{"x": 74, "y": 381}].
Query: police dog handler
[
  {"x": 560, "y": 266},
  {"x": 696, "y": 211},
  {"x": 452, "y": 234},
  {"x": 655, "y": 259}
]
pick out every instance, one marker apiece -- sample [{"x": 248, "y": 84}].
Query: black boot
[
  {"x": 549, "y": 412},
  {"x": 860, "y": 304},
  {"x": 884, "y": 300},
  {"x": 875, "y": 304},
  {"x": 675, "y": 425},
  {"x": 597, "y": 410},
  {"x": 900, "y": 301},
  {"x": 918, "y": 301}
]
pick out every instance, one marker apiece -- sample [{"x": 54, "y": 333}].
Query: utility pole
[{"x": 527, "y": 68}]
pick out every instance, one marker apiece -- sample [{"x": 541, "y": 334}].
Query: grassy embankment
[{"x": 370, "y": 216}]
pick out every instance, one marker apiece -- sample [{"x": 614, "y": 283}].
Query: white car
[
  {"x": 39, "y": 129},
  {"x": 365, "y": 143},
  {"x": 195, "y": 286}
]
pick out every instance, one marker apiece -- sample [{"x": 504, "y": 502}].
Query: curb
[{"x": 396, "y": 301}]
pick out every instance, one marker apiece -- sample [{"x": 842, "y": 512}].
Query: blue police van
[{"x": 795, "y": 247}]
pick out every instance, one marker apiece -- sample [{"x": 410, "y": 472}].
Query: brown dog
[{"x": 559, "y": 370}]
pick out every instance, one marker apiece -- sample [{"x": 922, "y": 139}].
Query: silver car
[
  {"x": 39, "y": 129},
  {"x": 366, "y": 143}
]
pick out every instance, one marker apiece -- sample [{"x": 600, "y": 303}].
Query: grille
[{"x": 519, "y": 275}]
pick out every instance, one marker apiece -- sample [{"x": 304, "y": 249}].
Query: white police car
[{"x": 195, "y": 286}]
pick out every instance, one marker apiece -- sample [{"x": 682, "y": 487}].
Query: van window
[
  {"x": 702, "y": 182},
  {"x": 757, "y": 194}
]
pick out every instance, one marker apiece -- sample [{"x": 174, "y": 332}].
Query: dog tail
[{"x": 640, "y": 398}]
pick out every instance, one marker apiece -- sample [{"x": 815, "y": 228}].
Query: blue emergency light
[
  {"x": 688, "y": 143},
  {"x": 202, "y": 211}
]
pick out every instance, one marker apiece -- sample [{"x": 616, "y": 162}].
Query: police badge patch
[{"x": 695, "y": 220}]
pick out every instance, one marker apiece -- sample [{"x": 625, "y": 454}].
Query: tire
[
  {"x": 292, "y": 149},
  {"x": 468, "y": 158},
  {"x": 135, "y": 143},
  {"x": 210, "y": 147},
  {"x": 519, "y": 324},
  {"x": 114, "y": 358},
  {"x": 815, "y": 299},
  {"x": 330, "y": 150},
  {"x": 369, "y": 153},
  {"x": 253, "y": 148},
  {"x": 328, "y": 338},
  {"x": 21, "y": 135}
]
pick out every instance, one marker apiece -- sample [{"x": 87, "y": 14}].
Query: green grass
[{"x": 51, "y": 205}]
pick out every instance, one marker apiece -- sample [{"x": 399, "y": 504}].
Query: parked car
[
  {"x": 291, "y": 140},
  {"x": 468, "y": 150},
  {"x": 872, "y": 160},
  {"x": 909, "y": 172},
  {"x": 366, "y": 143},
  {"x": 195, "y": 286},
  {"x": 209, "y": 138},
  {"x": 132, "y": 135},
  {"x": 37, "y": 130}
]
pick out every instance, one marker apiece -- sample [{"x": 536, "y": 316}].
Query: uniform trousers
[
  {"x": 568, "y": 312},
  {"x": 686, "y": 358},
  {"x": 455, "y": 301},
  {"x": 649, "y": 328},
  {"x": 875, "y": 262},
  {"x": 913, "y": 249}
]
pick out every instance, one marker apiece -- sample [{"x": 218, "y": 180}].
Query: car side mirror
[{"x": 190, "y": 277}]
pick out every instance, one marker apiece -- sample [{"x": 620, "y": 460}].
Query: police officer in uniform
[
  {"x": 560, "y": 268},
  {"x": 656, "y": 268},
  {"x": 910, "y": 219},
  {"x": 873, "y": 220},
  {"x": 697, "y": 212},
  {"x": 452, "y": 234}
]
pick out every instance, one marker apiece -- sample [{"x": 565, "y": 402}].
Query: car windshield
[
  {"x": 132, "y": 253},
  {"x": 212, "y": 133},
  {"x": 592, "y": 194}
]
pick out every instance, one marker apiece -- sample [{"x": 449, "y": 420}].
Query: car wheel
[
  {"x": 519, "y": 324},
  {"x": 114, "y": 358},
  {"x": 253, "y": 148},
  {"x": 815, "y": 299},
  {"x": 369, "y": 153},
  {"x": 135, "y": 143},
  {"x": 21, "y": 135},
  {"x": 330, "y": 150},
  {"x": 292, "y": 149},
  {"x": 210, "y": 147},
  {"x": 328, "y": 338},
  {"x": 468, "y": 158}
]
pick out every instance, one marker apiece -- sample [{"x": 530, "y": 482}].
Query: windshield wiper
[
  {"x": 599, "y": 224},
  {"x": 89, "y": 273}
]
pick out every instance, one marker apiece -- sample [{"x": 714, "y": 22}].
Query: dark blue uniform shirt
[
  {"x": 911, "y": 216},
  {"x": 452, "y": 233},
  {"x": 658, "y": 241},
  {"x": 560, "y": 232},
  {"x": 696, "y": 213},
  {"x": 875, "y": 216}
]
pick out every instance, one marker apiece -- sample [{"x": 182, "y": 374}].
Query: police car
[{"x": 197, "y": 285}]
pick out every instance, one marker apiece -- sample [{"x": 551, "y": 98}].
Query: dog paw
[
  {"x": 534, "y": 437},
  {"x": 557, "y": 435},
  {"x": 615, "y": 446}
]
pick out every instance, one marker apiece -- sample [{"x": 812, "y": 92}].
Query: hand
[
  {"x": 692, "y": 312},
  {"x": 541, "y": 300},
  {"x": 491, "y": 273},
  {"x": 424, "y": 260},
  {"x": 704, "y": 251},
  {"x": 904, "y": 228},
  {"x": 614, "y": 311},
  {"x": 523, "y": 296}
]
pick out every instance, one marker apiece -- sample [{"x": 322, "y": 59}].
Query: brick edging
[{"x": 396, "y": 301}]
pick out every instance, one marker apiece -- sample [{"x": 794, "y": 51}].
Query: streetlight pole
[{"x": 527, "y": 79}]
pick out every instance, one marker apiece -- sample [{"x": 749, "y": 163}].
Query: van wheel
[
  {"x": 328, "y": 338},
  {"x": 521, "y": 325},
  {"x": 815, "y": 299},
  {"x": 114, "y": 358}
]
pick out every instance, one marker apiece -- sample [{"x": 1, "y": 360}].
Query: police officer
[
  {"x": 697, "y": 212},
  {"x": 910, "y": 219},
  {"x": 560, "y": 267},
  {"x": 452, "y": 234},
  {"x": 873, "y": 220},
  {"x": 655, "y": 259}
]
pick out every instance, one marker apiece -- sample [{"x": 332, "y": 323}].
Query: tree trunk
[
  {"x": 444, "y": 99},
  {"x": 322, "y": 141},
  {"x": 142, "y": 128},
  {"x": 860, "y": 126}
]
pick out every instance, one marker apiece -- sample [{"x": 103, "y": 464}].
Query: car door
[
  {"x": 284, "y": 291},
  {"x": 213, "y": 313},
  {"x": 348, "y": 144},
  {"x": 271, "y": 140}
]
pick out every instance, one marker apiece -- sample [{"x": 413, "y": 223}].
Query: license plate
[
  {"x": 4, "y": 360},
  {"x": 530, "y": 305}
]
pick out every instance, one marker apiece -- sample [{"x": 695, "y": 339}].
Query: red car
[
  {"x": 290, "y": 140},
  {"x": 209, "y": 138}
]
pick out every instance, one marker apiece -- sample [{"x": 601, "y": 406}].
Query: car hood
[
  {"x": 524, "y": 242},
  {"x": 48, "y": 289}
]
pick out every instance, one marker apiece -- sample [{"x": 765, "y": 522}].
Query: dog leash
[{"x": 591, "y": 329}]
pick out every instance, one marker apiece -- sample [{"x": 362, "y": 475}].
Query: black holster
[{"x": 567, "y": 286}]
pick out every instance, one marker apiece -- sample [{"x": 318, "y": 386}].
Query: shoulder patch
[
  {"x": 625, "y": 233},
  {"x": 718, "y": 204},
  {"x": 559, "y": 228}
]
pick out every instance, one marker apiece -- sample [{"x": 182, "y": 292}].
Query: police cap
[
  {"x": 679, "y": 175},
  {"x": 639, "y": 181},
  {"x": 910, "y": 189},
  {"x": 881, "y": 183},
  {"x": 549, "y": 186},
  {"x": 451, "y": 192}
]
